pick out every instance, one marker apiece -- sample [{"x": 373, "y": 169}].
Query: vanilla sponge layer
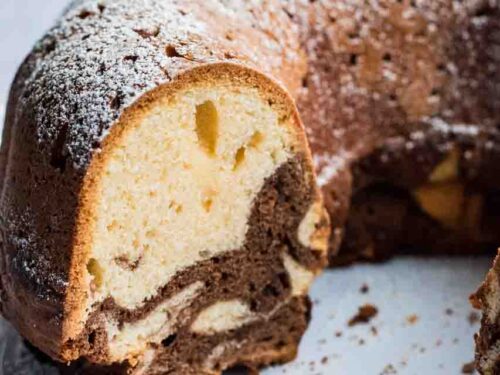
[{"x": 178, "y": 188}]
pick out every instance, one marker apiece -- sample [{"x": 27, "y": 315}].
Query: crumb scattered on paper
[
  {"x": 412, "y": 319},
  {"x": 389, "y": 369},
  {"x": 468, "y": 368},
  {"x": 473, "y": 318},
  {"x": 364, "y": 315},
  {"x": 364, "y": 289}
]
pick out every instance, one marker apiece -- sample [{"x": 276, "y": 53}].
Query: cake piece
[
  {"x": 158, "y": 200},
  {"x": 487, "y": 298}
]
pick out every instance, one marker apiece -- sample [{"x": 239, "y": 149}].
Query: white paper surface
[{"x": 439, "y": 342}]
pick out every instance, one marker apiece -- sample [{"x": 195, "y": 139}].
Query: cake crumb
[
  {"x": 374, "y": 330},
  {"x": 324, "y": 360},
  {"x": 448, "y": 311},
  {"x": 468, "y": 368},
  {"x": 473, "y": 318},
  {"x": 389, "y": 369},
  {"x": 364, "y": 315},
  {"x": 412, "y": 319},
  {"x": 338, "y": 334},
  {"x": 364, "y": 289}
]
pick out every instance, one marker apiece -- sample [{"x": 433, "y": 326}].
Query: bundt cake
[
  {"x": 159, "y": 207},
  {"x": 197, "y": 256}
]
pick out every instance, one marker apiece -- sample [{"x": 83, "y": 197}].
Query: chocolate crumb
[
  {"x": 124, "y": 262},
  {"x": 389, "y": 369},
  {"x": 338, "y": 334},
  {"x": 364, "y": 289},
  {"x": 374, "y": 331},
  {"x": 448, "y": 311},
  {"x": 324, "y": 360},
  {"x": 439, "y": 342},
  {"x": 364, "y": 315},
  {"x": 468, "y": 368},
  {"x": 361, "y": 342},
  {"x": 412, "y": 319},
  {"x": 473, "y": 318}
]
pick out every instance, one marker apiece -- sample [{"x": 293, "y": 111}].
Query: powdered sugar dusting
[
  {"x": 94, "y": 64},
  {"x": 440, "y": 125},
  {"x": 104, "y": 54},
  {"x": 33, "y": 266},
  {"x": 329, "y": 166}
]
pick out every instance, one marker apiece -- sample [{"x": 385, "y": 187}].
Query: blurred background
[
  {"x": 424, "y": 323},
  {"x": 21, "y": 23}
]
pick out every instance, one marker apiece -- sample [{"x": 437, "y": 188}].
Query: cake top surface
[{"x": 103, "y": 55}]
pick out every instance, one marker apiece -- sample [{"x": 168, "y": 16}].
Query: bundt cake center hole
[
  {"x": 444, "y": 196},
  {"x": 207, "y": 126}
]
